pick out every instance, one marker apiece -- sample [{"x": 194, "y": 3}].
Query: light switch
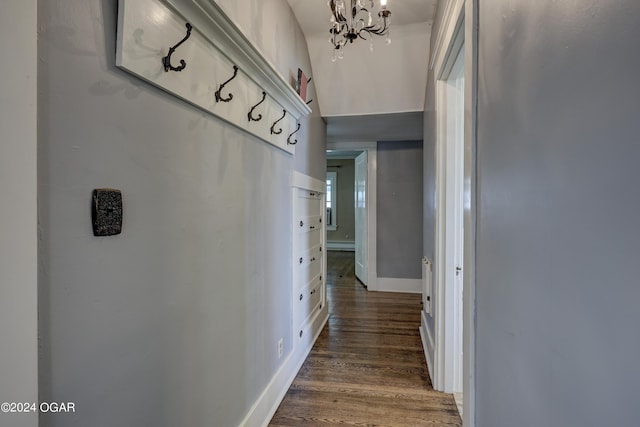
[{"x": 106, "y": 212}]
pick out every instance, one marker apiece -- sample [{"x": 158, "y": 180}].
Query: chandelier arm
[{"x": 349, "y": 25}]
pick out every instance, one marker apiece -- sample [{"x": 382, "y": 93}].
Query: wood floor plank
[{"x": 367, "y": 367}]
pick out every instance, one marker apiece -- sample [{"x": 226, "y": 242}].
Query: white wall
[
  {"x": 557, "y": 227},
  {"x": 18, "y": 221},
  {"x": 388, "y": 80},
  {"x": 175, "y": 321}
]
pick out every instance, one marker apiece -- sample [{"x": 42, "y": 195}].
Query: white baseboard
[
  {"x": 341, "y": 246},
  {"x": 265, "y": 407},
  {"x": 427, "y": 345},
  {"x": 389, "y": 284}
]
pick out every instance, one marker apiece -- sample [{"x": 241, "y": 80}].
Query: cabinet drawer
[
  {"x": 309, "y": 194},
  {"x": 307, "y": 301},
  {"x": 307, "y": 240},
  {"x": 307, "y": 270},
  {"x": 309, "y": 205},
  {"x": 309, "y": 223}
]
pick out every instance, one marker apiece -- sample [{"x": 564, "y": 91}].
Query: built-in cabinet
[{"x": 309, "y": 271}]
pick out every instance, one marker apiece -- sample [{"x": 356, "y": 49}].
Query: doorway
[
  {"x": 454, "y": 64},
  {"x": 351, "y": 186},
  {"x": 450, "y": 225}
]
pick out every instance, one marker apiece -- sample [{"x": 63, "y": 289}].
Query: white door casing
[
  {"x": 371, "y": 214},
  {"x": 360, "y": 200},
  {"x": 456, "y": 106},
  {"x": 448, "y": 357},
  {"x": 459, "y": 25}
]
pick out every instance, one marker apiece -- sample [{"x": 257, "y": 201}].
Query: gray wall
[
  {"x": 175, "y": 321},
  {"x": 346, "y": 231},
  {"x": 399, "y": 210},
  {"x": 18, "y": 220},
  {"x": 557, "y": 226}
]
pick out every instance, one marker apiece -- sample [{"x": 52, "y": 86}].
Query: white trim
[
  {"x": 390, "y": 284},
  {"x": 462, "y": 16},
  {"x": 469, "y": 280},
  {"x": 372, "y": 217},
  {"x": 307, "y": 182},
  {"x": 333, "y": 177},
  {"x": 341, "y": 246},
  {"x": 265, "y": 407},
  {"x": 427, "y": 344},
  {"x": 448, "y": 363},
  {"x": 210, "y": 19},
  {"x": 451, "y": 20},
  {"x": 218, "y": 44}
]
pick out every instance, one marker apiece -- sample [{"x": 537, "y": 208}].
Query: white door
[{"x": 360, "y": 199}]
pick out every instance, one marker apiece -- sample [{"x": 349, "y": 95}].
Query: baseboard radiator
[{"x": 427, "y": 289}]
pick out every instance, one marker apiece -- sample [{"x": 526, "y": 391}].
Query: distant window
[{"x": 332, "y": 205}]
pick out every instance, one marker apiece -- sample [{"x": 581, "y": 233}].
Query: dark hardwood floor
[{"x": 367, "y": 367}]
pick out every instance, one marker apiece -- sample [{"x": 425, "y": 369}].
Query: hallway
[{"x": 367, "y": 367}]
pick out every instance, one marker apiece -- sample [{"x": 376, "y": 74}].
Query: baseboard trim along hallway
[
  {"x": 268, "y": 402},
  {"x": 390, "y": 284}
]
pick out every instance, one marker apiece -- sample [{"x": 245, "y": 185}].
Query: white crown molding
[{"x": 452, "y": 18}]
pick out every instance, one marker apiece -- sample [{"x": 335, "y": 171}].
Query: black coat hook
[
  {"x": 166, "y": 61},
  {"x": 230, "y": 97},
  {"x": 250, "y": 115},
  {"x": 273, "y": 126},
  {"x": 289, "y": 139}
]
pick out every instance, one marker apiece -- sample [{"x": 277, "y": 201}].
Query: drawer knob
[
  {"x": 313, "y": 227},
  {"x": 300, "y": 297},
  {"x": 300, "y": 334},
  {"x": 300, "y": 260},
  {"x": 313, "y": 259},
  {"x": 301, "y": 223}
]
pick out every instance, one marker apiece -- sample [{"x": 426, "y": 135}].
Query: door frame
[
  {"x": 459, "y": 26},
  {"x": 372, "y": 170},
  {"x": 448, "y": 220},
  {"x": 361, "y": 235}
]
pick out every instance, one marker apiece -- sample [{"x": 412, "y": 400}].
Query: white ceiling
[
  {"x": 390, "y": 112},
  {"x": 313, "y": 15}
]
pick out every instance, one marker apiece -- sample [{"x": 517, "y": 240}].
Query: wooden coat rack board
[{"x": 192, "y": 50}]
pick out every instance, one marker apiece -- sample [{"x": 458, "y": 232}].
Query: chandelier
[{"x": 356, "y": 21}]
